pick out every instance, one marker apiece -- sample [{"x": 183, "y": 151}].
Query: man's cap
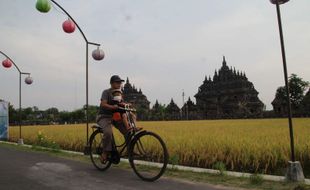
[{"x": 116, "y": 78}]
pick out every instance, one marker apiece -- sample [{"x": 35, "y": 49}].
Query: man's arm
[
  {"x": 104, "y": 104},
  {"x": 104, "y": 101}
]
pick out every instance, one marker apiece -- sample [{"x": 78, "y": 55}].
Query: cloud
[{"x": 163, "y": 47}]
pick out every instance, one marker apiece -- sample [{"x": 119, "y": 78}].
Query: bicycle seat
[{"x": 95, "y": 126}]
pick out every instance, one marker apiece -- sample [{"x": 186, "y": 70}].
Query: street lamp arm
[
  {"x": 11, "y": 61},
  {"x": 23, "y": 73},
  {"x": 93, "y": 43},
  {"x": 74, "y": 22}
]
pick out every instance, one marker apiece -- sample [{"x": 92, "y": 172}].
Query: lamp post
[
  {"x": 294, "y": 172},
  {"x": 28, "y": 80},
  {"x": 69, "y": 26}
]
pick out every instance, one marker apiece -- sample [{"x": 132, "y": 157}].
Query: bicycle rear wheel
[
  {"x": 148, "y": 156},
  {"x": 96, "y": 148}
]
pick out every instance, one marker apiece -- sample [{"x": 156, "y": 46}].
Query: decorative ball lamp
[
  {"x": 7, "y": 63},
  {"x": 43, "y": 6},
  {"x": 279, "y": 1},
  {"x": 28, "y": 80},
  {"x": 98, "y": 54},
  {"x": 68, "y": 26}
]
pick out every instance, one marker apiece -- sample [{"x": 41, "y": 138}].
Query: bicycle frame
[
  {"x": 132, "y": 148},
  {"x": 129, "y": 136}
]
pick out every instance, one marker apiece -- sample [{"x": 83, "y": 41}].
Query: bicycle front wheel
[
  {"x": 148, "y": 156},
  {"x": 96, "y": 147}
]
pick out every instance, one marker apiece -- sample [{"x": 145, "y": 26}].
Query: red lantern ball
[
  {"x": 7, "y": 63},
  {"x": 68, "y": 26}
]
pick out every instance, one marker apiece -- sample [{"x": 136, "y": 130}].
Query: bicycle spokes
[
  {"x": 148, "y": 156},
  {"x": 147, "y": 153},
  {"x": 96, "y": 146}
]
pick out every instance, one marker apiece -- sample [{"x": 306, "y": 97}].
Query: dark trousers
[{"x": 106, "y": 125}]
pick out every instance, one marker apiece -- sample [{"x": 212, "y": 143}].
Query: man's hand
[
  {"x": 123, "y": 104},
  {"x": 105, "y": 104},
  {"x": 115, "y": 107}
]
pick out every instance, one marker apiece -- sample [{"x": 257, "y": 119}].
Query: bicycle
[{"x": 145, "y": 150}]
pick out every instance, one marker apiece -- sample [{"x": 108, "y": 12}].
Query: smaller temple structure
[
  {"x": 172, "y": 111},
  {"x": 279, "y": 105},
  {"x": 189, "y": 110},
  {"x": 157, "y": 113},
  {"x": 137, "y": 99}
]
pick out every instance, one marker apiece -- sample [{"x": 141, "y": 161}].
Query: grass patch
[
  {"x": 220, "y": 166},
  {"x": 256, "y": 179},
  {"x": 302, "y": 187}
]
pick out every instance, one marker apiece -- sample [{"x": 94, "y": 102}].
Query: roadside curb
[{"x": 177, "y": 167}]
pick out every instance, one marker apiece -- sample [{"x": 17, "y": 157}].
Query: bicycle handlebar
[{"x": 127, "y": 109}]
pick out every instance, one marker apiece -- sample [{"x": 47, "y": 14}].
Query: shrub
[
  {"x": 43, "y": 141},
  {"x": 256, "y": 179},
  {"x": 221, "y": 167}
]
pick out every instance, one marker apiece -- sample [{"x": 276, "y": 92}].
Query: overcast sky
[{"x": 163, "y": 46}]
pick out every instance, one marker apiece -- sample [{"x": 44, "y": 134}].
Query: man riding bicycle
[
  {"x": 104, "y": 151},
  {"x": 104, "y": 119}
]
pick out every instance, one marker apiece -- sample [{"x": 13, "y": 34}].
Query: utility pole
[{"x": 183, "y": 95}]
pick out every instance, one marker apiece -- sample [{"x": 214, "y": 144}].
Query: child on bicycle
[{"x": 119, "y": 118}]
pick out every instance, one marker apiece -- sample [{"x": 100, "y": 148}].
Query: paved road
[{"x": 21, "y": 170}]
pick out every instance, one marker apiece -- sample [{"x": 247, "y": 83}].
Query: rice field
[{"x": 260, "y": 145}]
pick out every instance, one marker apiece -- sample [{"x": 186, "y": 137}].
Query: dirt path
[{"x": 37, "y": 171}]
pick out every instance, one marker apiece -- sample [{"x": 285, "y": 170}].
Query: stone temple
[
  {"x": 138, "y": 99},
  {"x": 228, "y": 95}
]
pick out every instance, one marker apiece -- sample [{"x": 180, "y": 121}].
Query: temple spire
[
  {"x": 224, "y": 61},
  {"x": 215, "y": 76}
]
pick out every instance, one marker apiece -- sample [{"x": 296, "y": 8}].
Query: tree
[
  {"x": 65, "y": 117},
  {"x": 297, "y": 89},
  {"x": 13, "y": 115},
  {"x": 78, "y": 115},
  {"x": 306, "y": 105},
  {"x": 52, "y": 114},
  {"x": 92, "y": 113},
  {"x": 297, "y": 92},
  {"x": 53, "y": 111}
]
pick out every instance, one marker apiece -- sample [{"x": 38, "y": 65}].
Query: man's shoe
[{"x": 103, "y": 158}]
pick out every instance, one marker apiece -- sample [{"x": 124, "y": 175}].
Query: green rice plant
[{"x": 250, "y": 145}]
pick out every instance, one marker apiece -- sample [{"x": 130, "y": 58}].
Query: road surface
[{"x": 22, "y": 170}]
